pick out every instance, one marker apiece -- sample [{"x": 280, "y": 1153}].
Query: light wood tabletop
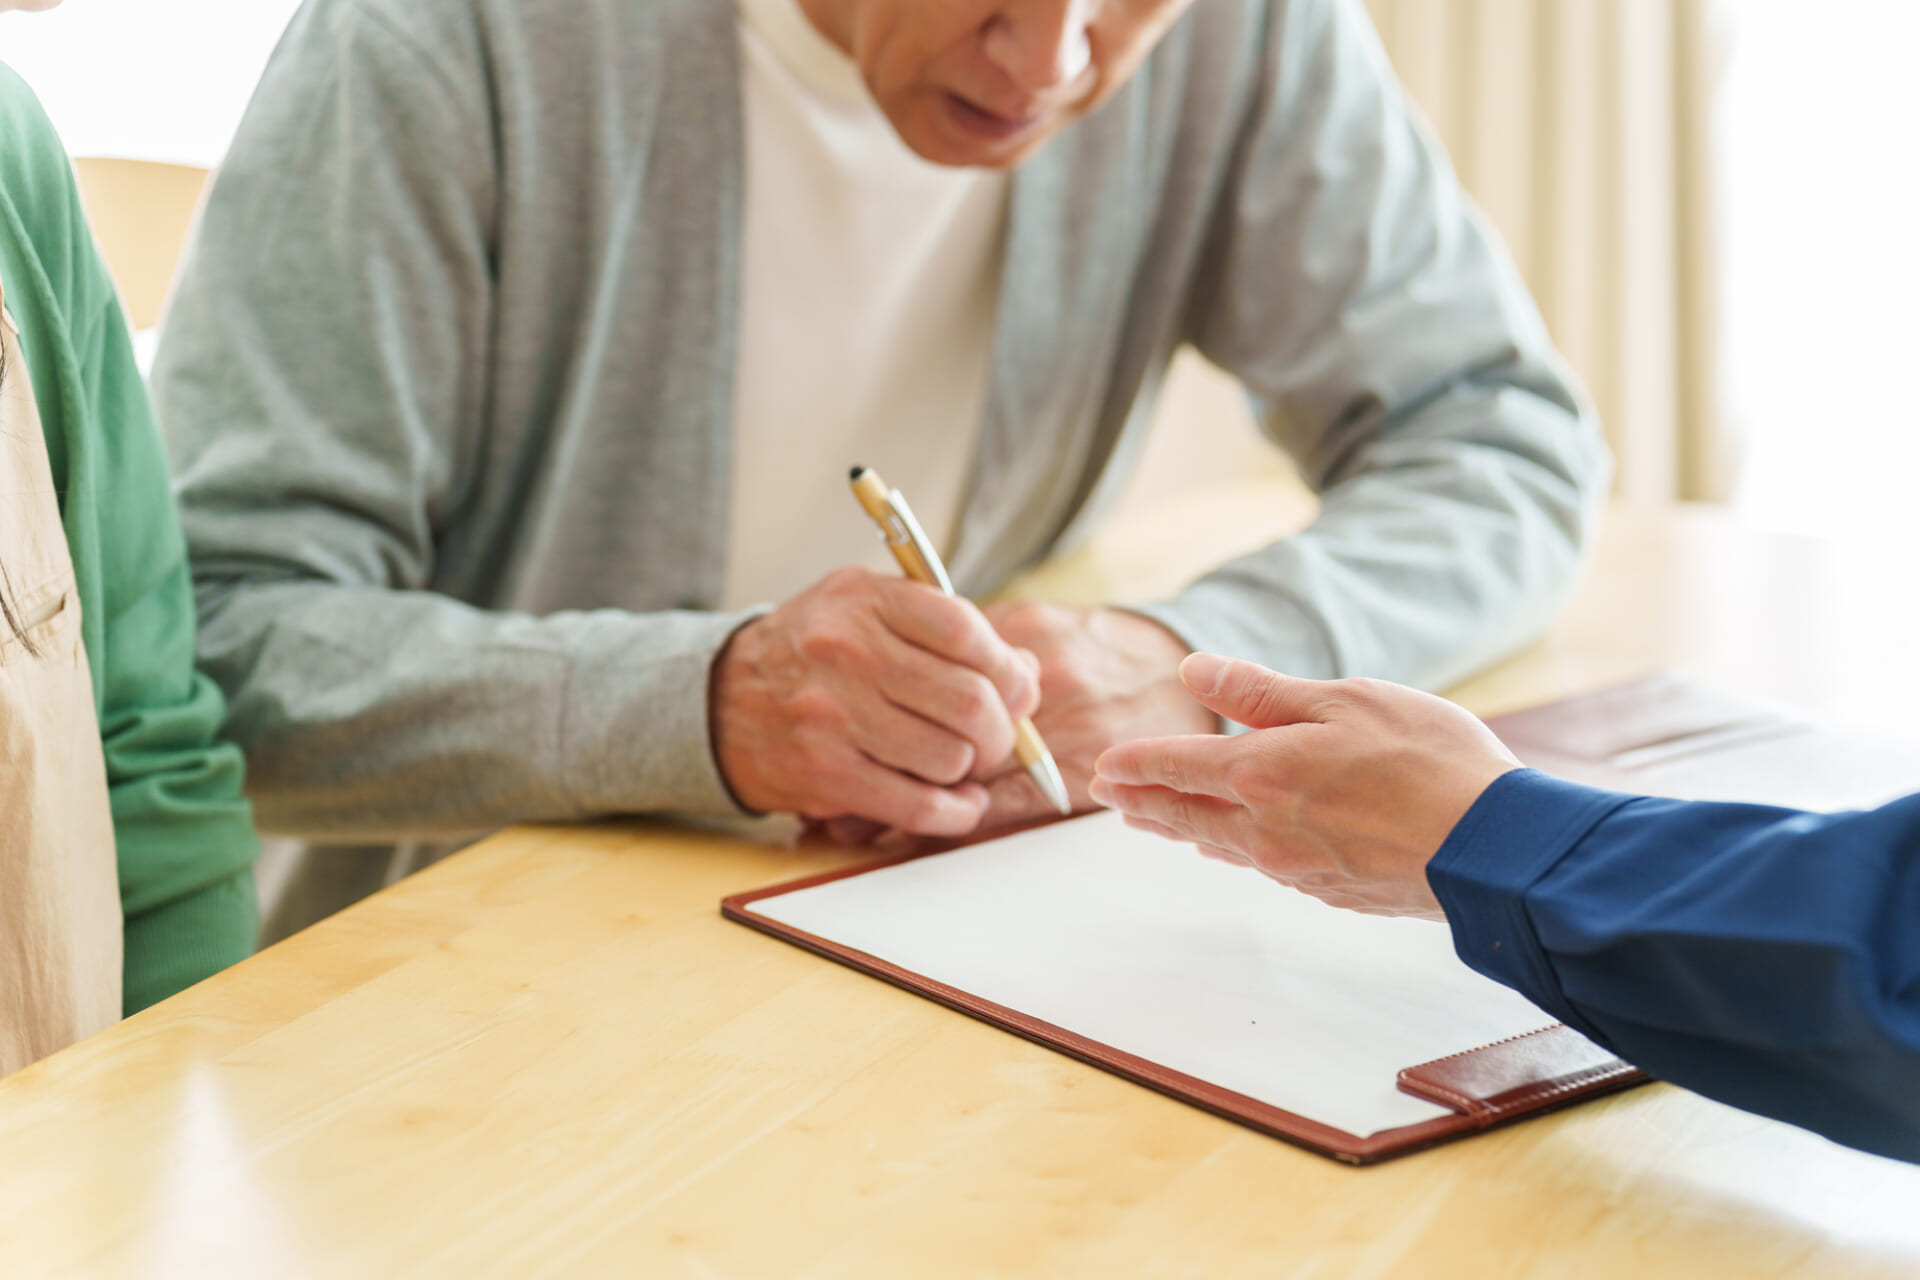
[{"x": 549, "y": 1055}]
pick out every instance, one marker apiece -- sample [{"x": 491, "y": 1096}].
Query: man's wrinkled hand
[
  {"x": 869, "y": 699},
  {"x": 1106, "y": 676}
]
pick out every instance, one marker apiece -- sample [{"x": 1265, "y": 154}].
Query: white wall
[
  {"x": 1823, "y": 262},
  {"x": 146, "y": 79}
]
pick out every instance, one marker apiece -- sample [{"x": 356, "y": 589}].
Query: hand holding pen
[{"x": 869, "y": 696}]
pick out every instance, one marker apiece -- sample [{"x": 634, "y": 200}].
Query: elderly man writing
[{"x": 514, "y": 380}]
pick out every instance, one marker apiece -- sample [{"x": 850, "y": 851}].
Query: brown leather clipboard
[
  {"x": 1601, "y": 738},
  {"x": 1484, "y": 1087}
]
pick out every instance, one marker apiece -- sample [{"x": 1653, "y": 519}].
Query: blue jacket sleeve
[{"x": 1765, "y": 957}]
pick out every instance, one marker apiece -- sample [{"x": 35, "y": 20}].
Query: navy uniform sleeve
[{"x": 1765, "y": 957}]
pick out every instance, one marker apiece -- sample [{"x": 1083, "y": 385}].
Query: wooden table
[{"x": 550, "y": 1056}]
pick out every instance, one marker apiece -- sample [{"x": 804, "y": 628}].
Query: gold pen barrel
[{"x": 873, "y": 493}]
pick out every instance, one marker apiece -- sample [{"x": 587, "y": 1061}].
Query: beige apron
[{"x": 59, "y": 890}]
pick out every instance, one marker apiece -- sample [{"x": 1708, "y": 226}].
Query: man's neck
[{"x": 831, "y": 19}]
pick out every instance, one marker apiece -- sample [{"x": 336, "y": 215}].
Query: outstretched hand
[{"x": 1345, "y": 790}]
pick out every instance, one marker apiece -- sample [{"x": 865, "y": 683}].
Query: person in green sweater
[{"x": 89, "y": 522}]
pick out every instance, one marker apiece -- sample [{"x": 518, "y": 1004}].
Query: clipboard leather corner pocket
[{"x": 1520, "y": 1076}]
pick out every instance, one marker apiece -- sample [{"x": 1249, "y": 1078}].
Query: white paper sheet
[{"x": 1212, "y": 970}]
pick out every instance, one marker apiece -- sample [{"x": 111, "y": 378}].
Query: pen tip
[
  {"x": 1046, "y": 776},
  {"x": 856, "y": 473}
]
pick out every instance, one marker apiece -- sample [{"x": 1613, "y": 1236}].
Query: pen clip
[
  {"x": 893, "y": 530},
  {"x": 903, "y": 522}
]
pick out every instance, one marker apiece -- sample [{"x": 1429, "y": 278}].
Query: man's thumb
[{"x": 1247, "y": 694}]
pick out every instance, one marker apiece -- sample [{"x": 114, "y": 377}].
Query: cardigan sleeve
[
  {"x": 324, "y": 380},
  {"x": 1396, "y": 357}
]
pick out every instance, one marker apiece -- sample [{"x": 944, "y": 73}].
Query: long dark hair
[{"x": 7, "y": 615}]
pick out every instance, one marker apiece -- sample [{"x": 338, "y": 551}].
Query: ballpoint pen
[{"x": 919, "y": 561}]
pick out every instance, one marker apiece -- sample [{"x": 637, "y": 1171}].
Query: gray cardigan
[{"x": 448, "y": 375}]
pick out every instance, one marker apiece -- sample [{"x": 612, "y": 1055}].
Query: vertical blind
[{"x": 1584, "y": 129}]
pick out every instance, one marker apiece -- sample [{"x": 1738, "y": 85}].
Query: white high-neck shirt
[{"x": 869, "y": 289}]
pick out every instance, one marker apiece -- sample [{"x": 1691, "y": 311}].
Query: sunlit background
[
  {"x": 146, "y": 79},
  {"x": 1815, "y": 262},
  {"x": 1820, "y": 113}
]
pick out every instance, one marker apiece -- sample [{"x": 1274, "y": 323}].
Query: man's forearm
[
  {"x": 369, "y": 713},
  {"x": 1449, "y": 546}
]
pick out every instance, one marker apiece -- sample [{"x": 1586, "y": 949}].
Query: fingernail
[{"x": 1203, "y": 672}]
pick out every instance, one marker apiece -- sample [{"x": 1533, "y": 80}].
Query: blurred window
[
  {"x": 146, "y": 79},
  {"x": 1822, "y": 258}
]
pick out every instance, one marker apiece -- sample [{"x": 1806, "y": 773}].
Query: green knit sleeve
[{"x": 183, "y": 829}]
